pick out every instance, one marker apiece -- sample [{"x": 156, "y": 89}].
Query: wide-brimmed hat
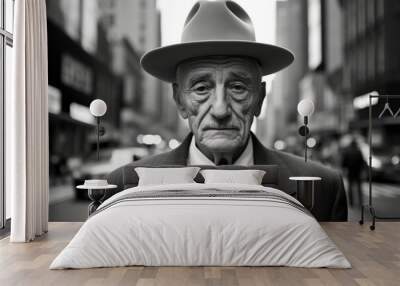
[{"x": 215, "y": 28}]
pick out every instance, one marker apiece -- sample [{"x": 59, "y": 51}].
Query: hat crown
[
  {"x": 217, "y": 28},
  {"x": 217, "y": 21}
]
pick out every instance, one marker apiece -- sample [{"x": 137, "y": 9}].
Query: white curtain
[{"x": 27, "y": 124}]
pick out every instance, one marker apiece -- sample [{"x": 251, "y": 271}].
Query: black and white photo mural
[{"x": 198, "y": 125}]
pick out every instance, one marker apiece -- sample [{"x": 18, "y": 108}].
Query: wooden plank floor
[{"x": 375, "y": 257}]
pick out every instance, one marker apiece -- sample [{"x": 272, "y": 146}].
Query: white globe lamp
[
  {"x": 305, "y": 107},
  {"x": 98, "y": 108}
]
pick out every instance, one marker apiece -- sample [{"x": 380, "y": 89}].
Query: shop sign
[
  {"x": 76, "y": 75},
  {"x": 81, "y": 113}
]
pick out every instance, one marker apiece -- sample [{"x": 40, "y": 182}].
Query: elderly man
[{"x": 216, "y": 75}]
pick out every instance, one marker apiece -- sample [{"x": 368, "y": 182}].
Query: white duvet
[{"x": 185, "y": 230}]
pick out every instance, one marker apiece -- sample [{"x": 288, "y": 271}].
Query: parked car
[{"x": 109, "y": 160}]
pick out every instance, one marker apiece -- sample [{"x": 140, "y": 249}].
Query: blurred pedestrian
[{"x": 353, "y": 164}]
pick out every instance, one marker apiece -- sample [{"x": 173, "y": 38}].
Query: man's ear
[
  {"x": 178, "y": 100},
  {"x": 261, "y": 97}
]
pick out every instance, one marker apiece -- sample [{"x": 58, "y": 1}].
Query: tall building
[
  {"x": 79, "y": 54},
  {"x": 322, "y": 83},
  {"x": 139, "y": 22},
  {"x": 291, "y": 32},
  {"x": 372, "y": 62},
  {"x": 135, "y": 28},
  {"x": 312, "y": 30}
]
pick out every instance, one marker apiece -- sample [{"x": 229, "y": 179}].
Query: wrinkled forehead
[{"x": 192, "y": 67}]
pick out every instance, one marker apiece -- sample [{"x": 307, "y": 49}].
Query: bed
[{"x": 201, "y": 224}]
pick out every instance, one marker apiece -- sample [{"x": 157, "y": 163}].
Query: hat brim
[{"x": 162, "y": 62}]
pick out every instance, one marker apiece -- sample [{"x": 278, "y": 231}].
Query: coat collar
[{"x": 179, "y": 155}]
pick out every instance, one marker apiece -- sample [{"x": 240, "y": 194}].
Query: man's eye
[
  {"x": 238, "y": 91},
  {"x": 201, "y": 89},
  {"x": 238, "y": 88}
]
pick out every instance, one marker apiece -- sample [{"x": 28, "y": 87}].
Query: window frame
[{"x": 6, "y": 39}]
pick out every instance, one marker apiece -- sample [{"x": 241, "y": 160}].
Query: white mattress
[{"x": 190, "y": 230}]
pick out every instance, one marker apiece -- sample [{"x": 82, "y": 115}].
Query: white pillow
[
  {"x": 248, "y": 177},
  {"x": 162, "y": 176}
]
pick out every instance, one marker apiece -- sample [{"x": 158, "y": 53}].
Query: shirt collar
[{"x": 196, "y": 157}]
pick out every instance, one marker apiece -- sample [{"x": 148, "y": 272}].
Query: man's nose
[{"x": 220, "y": 106}]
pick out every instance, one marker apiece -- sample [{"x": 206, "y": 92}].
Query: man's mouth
[{"x": 226, "y": 128}]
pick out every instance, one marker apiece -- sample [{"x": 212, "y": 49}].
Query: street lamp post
[
  {"x": 305, "y": 108},
  {"x": 98, "y": 108}
]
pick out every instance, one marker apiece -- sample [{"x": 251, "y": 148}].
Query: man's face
[{"x": 220, "y": 97}]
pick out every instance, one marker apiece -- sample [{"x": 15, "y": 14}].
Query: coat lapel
[
  {"x": 264, "y": 156},
  {"x": 179, "y": 155}
]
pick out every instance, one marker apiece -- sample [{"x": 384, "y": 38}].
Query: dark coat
[
  {"x": 330, "y": 198},
  {"x": 353, "y": 161}
]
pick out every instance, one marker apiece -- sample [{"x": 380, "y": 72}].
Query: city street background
[{"x": 343, "y": 51}]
